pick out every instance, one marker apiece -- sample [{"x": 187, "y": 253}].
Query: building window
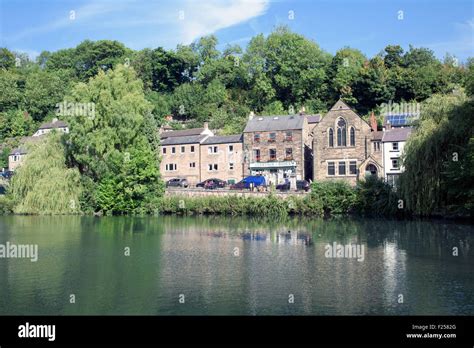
[
  {"x": 342, "y": 168},
  {"x": 331, "y": 168},
  {"x": 289, "y": 136},
  {"x": 192, "y": 148},
  {"x": 212, "y": 149},
  {"x": 256, "y": 137},
  {"x": 392, "y": 180},
  {"x": 231, "y": 166},
  {"x": 273, "y": 154},
  {"x": 212, "y": 167},
  {"x": 331, "y": 137},
  {"x": 15, "y": 158},
  {"x": 341, "y": 132},
  {"x": 272, "y": 138},
  {"x": 164, "y": 151},
  {"x": 192, "y": 165},
  {"x": 377, "y": 146},
  {"x": 256, "y": 154},
  {"x": 353, "y": 167},
  {"x": 352, "y": 136},
  {"x": 231, "y": 148},
  {"x": 171, "y": 166},
  {"x": 183, "y": 148},
  {"x": 173, "y": 150},
  {"x": 395, "y": 146},
  {"x": 288, "y": 154},
  {"x": 395, "y": 163}
]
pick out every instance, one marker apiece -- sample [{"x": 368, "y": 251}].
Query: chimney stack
[
  {"x": 302, "y": 110},
  {"x": 251, "y": 115},
  {"x": 373, "y": 122},
  {"x": 206, "y": 125}
]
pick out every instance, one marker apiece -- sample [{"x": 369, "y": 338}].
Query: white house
[
  {"x": 45, "y": 128},
  {"x": 393, "y": 143}
]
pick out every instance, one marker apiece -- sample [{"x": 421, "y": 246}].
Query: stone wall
[{"x": 221, "y": 193}]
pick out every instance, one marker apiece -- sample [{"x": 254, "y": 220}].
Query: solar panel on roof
[{"x": 399, "y": 119}]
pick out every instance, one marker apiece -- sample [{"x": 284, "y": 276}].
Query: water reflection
[{"x": 236, "y": 266}]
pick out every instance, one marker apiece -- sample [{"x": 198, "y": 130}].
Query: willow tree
[
  {"x": 112, "y": 144},
  {"x": 438, "y": 158},
  {"x": 44, "y": 184}
]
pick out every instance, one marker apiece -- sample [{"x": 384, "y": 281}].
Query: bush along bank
[{"x": 371, "y": 197}]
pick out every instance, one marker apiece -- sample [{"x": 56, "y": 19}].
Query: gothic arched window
[
  {"x": 341, "y": 132},
  {"x": 352, "y": 137},
  {"x": 331, "y": 137}
]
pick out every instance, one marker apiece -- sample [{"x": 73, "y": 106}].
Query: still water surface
[{"x": 235, "y": 266}]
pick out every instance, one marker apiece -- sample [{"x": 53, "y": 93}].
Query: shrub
[
  {"x": 337, "y": 197},
  {"x": 376, "y": 198}
]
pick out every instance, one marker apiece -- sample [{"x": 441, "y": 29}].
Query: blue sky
[{"x": 32, "y": 26}]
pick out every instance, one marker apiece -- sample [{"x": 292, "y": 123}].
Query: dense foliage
[
  {"x": 114, "y": 147},
  {"x": 439, "y": 158},
  {"x": 44, "y": 185}
]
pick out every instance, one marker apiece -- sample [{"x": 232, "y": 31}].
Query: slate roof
[
  {"x": 21, "y": 149},
  {"x": 377, "y": 135},
  {"x": 396, "y": 134},
  {"x": 182, "y": 133},
  {"x": 190, "y": 139},
  {"x": 274, "y": 123},
  {"x": 224, "y": 139},
  {"x": 314, "y": 118},
  {"x": 51, "y": 125}
]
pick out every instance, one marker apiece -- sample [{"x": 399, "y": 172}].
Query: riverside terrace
[{"x": 340, "y": 145}]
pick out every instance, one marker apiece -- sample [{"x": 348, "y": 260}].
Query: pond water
[{"x": 170, "y": 265}]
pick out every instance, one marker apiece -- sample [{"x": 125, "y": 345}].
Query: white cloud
[
  {"x": 202, "y": 19},
  {"x": 147, "y": 24}
]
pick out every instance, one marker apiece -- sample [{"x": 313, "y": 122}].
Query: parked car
[
  {"x": 6, "y": 174},
  {"x": 177, "y": 182},
  {"x": 255, "y": 181},
  {"x": 300, "y": 185},
  {"x": 303, "y": 185},
  {"x": 283, "y": 187},
  {"x": 212, "y": 183}
]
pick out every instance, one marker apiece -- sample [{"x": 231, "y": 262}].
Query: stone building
[
  {"x": 276, "y": 147},
  {"x": 180, "y": 157},
  {"x": 343, "y": 146},
  {"x": 196, "y": 155},
  {"x": 222, "y": 158}
]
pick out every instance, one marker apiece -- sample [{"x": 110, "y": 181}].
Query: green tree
[
  {"x": 43, "y": 184},
  {"x": 439, "y": 158},
  {"x": 7, "y": 59},
  {"x": 113, "y": 145}
]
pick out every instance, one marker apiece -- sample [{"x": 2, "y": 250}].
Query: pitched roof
[
  {"x": 236, "y": 138},
  {"x": 273, "y": 123},
  {"x": 190, "y": 139},
  {"x": 181, "y": 133},
  {"x": 22, "y": 149},
  {"x": 314, "y": 118},
  {"x": 342, "y": 108},
  {"x": 396, "y": 134},
  {"x": 377, "y": 135},
  {"x": 53, "y": 124},
  {"x": 340, "y": 105}
]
